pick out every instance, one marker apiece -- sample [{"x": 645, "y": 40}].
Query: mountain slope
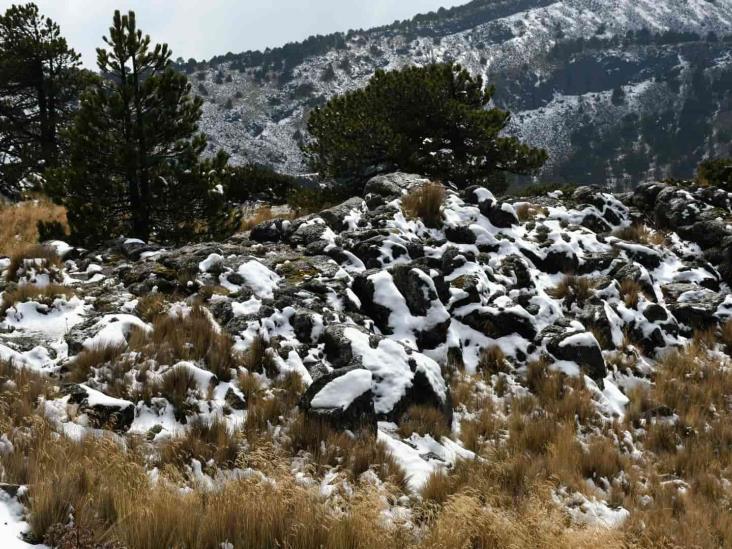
[{"x": 617, "y": 91}]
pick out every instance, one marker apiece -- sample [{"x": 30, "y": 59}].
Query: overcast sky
[{"x": 204, "y": 28}]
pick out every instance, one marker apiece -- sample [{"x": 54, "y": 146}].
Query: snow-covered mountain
[{"x": 615, "y": 90}]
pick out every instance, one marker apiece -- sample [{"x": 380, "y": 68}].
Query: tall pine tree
[
  {"x": 135, "y": 166},
  {"x": 40, "y": 83},
  {"x": 431, "y": 120}
]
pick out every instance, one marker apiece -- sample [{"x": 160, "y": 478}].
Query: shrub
[
  {"x": 425, "y": 203},
  {"x": 492, "y": 360},
  {"x": 715, "y": 172}
]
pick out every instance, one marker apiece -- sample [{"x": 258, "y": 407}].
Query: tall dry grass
[
  {"x": 425, "y": 202},
  {"x": 19, "y": 227}
]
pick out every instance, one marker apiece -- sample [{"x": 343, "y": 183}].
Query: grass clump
[
  {"x": 642, "y": 234},
  {"x": 45, "y": 295},
  {"x": 19, "y": 228},
  {"x": 34, "y": 258},
  {"x": 425, "y": 202},
  {"x": 573, "y": 289},
  {"x": 424, "y": 420}
]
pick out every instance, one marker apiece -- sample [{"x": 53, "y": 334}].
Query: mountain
[{"x": 617, "y": 91}]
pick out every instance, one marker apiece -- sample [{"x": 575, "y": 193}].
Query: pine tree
[
  {"x": 430, "y": 120},
  {"x": 40, "y": 82},
  {"x": 134, "y": 167}
]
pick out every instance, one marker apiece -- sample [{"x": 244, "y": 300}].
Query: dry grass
[
  {"x": 726, "y": 336},
  {"x": 354, "y": 453},
  {"x": 695, "y": 448},
  {"x": 573, "y": 289},
  {"x": 257, "y": 357},
  {"x": 642, "y": 234},
  {"x": 630, "y": 292},
  {"x": 19, "y": 228},
  {"x": 189, "y": 337},
  {"x": 82, "y": 364},
  {"x": 492, "y": 361},
  {"x": 36, "y": 257},
  {"x": 204, "y": 441},
  {"x": 30, "y": 292},
  {"x": 424, "y": 420},
  {"x": 525, "y": 211},
  {"x": 425, "y": 203},
  {"x": 151, "y": 306},
  {"x": 260, "y": 215}
]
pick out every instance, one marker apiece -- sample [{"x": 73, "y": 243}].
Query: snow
[
  {"x": 12, "y": 524},
  {"x": 53, "y": 321},
  {"x": 97, "y": 398},
  {"x": 113, "y": 330},
  {"x": 259, "y": 279},
  {"x": 389, "y": 364},
  {"x": 248, "y": 307},
  {"x": 211, "y": 263},
  {"x": 343, "y": 390}
]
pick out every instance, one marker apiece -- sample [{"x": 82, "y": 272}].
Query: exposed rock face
[{"x": 696, "y": 214}]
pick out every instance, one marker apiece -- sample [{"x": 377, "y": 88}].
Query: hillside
[
  {"x": 550, "y": 369},
  {"x": 617, "y": 92}
]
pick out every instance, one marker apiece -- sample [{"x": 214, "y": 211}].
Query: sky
[{"x": 202, "y": 29}]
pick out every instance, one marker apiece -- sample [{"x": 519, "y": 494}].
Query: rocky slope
[
  {"x": 636, "y": 84},
  {"x": 375, "y": 313}
]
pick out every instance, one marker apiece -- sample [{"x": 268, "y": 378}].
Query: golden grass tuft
[
  {"x": 424, "y": 420},
  {"x": 492, "y": 360},
  {"x": 525, "y": 211},
  {"x": 425, "y": 202},
  {"x": 630, "y": 292},
  {"x": 19, "y": 228},
  {"x": 30, "y": 292},
  {"x": 642, "y": 234},
  {"x": 44, "y": 258},
  {"x": 574, "y": 288},
  {"x": 260, "y": 215}
]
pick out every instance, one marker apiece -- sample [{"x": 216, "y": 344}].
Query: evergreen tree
[
  {"x": 40, "y": 82},
  {"x": 431, "y": 120},
  {"x": 134, "y": 166}
]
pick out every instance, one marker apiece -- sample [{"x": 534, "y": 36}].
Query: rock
[
  {"x": 272, "y": 230},
  {"x": 307, "y": 233},
  {"x": 401, "y": 377},
  {"x": 392, "y": 185},
  {"x": 235, "y": 399},
  {"x": 575, "y": 346},
  {"x": 336, "y": 217},
  {"x": 343, "y": 398},
  {"x": 502, "y": 215},
  {"x": 460, "y": 234},
  {"x": 104, "y": 412},
  {"x": 497, "y": 322},
  {"x": 697, "y": 309}
]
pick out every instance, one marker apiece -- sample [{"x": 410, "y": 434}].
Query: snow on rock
[
  {"x": 259, "y": 278},
  {"x": 113, "y": 330},
  {"x": 343, "y": 390}
]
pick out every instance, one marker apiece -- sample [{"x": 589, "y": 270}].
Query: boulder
[
  {"x": 392, "y": 185},
  {"x": 104, "y": 412},
  {"x": 343, "y": 398},
  {"x": 576, "y": 346},
  {"x": 336, "y": 217}
]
